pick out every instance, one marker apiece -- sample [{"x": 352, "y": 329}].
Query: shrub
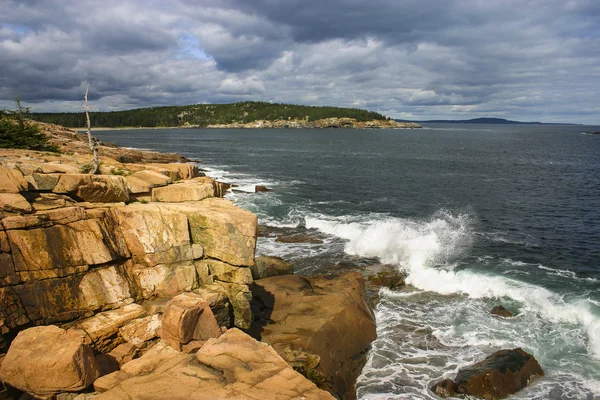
[{"x": 17, "y": 133}]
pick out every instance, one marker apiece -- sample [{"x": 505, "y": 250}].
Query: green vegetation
[
  {"x": 206, "y": 114},
  {"x": 17, "y": 133}
]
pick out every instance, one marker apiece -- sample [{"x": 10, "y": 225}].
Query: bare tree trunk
[{"x": 93, "y": 142}]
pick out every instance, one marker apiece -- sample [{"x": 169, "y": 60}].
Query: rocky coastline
[
  {"x": 141, "y": 282},
  {"x": 348, "y": 123},
  {"x": 138, "y": 282}
]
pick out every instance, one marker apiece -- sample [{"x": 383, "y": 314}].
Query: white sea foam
[{"x": 424, "y": 250}]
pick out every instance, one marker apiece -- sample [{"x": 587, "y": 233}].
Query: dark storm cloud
[{"x": 410, "y": 59}]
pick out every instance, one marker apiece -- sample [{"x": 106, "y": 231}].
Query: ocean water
[{"x": 475, "y": 215}]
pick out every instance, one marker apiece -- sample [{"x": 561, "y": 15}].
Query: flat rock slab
[
  {"x": 46, "y": 360},
  {"x": 234, "y": 366}
]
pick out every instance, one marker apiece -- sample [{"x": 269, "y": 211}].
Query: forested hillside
[{"x": 205, "y": 114}]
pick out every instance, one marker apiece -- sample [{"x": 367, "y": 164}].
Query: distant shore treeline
[{"x": 205, "y": 114}]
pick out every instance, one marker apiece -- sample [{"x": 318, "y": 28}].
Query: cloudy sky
[{"x": 414, "y": 59}]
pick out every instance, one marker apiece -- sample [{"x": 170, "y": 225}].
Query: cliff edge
[{"x": 130, "y": 278}]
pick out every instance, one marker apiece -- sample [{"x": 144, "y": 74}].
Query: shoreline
[
  {"x": 110, "y": 264},
  {"x": 325, "y": 123}
]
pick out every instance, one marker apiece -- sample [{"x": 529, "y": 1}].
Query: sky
[{"x": 528, "y": 60}]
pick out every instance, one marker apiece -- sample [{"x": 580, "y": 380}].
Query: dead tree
[{"x": 94, "y": 165}]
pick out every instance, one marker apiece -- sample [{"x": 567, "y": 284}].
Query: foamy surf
[{"x": 425, "y": 250}]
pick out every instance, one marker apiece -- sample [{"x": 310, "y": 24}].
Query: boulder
[
  {"x": 11, "y": 180},
  {"x": 188, "y": 317},
  {"x": 68, "y": 183},
  {"x": 233, "y": 366},
  {"x": 303, "y": 318},
  {"x": 45, "y": 181},
  {"x": 47, "y": 360},
  {"x": 183, "y": 191},
  {"x": 267, "y": 266},
  {"x": 261, "y": 188},
  {"x": 498, "y": 376},
  {"x": 501, "y": 312},
  {"x": 444, "y": 388},
  {"x": 103, "y": 189},
  {"x": 124, "y": 353},
  {"x": 14, "y": 203},
  {"x": 144, "y": 181}
]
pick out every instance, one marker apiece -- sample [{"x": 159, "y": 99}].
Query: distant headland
[
  {"x": 495, "y": 121},
  {"x": 248, "y": 114}
]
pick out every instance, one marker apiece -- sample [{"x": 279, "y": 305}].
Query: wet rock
[
  {"x": 301, "y": 238},
  {"x": 501, "y": 311},
  {"x": 261, "y": 188},
  {"x": 389, "y": 279},
  {"x": 499, "y": 375},
  {"x": 267, "y": 266},
  {"x": 303, "y": 318},
  {"x": 444, "y": 388},
  {"x": 47, "y": 360}
]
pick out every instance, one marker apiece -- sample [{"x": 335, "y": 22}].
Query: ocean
[{"x": 474, "y": 215}]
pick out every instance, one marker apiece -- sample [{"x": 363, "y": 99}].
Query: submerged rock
[
  {"x": 501, "y": 374},
  {"x": 261, "y": 188},
  {"x": 501, "y": 311},
  {"x": 444, "y": 388},
  {"x": 306, "y": 238}
]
